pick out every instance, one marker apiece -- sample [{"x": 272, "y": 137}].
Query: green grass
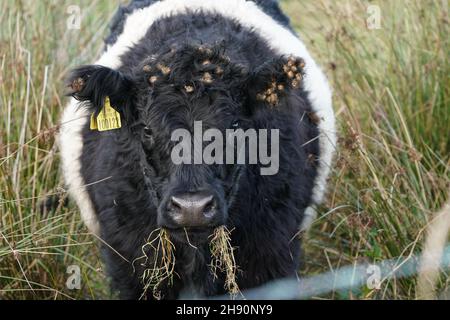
[{"x": 392, "y": 169}]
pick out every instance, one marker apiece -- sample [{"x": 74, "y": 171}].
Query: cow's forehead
[{"x": 180, "y": 111}]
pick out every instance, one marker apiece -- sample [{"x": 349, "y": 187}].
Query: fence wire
[{"x": 343, "y": 279}]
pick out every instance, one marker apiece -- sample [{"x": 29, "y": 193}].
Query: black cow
[{"x": 168, "y": 64}]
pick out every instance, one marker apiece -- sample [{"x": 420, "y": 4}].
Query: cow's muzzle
[{"x": 192, "y": 210}]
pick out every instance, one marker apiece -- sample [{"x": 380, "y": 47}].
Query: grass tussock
[
  {"x": 223, "y": 259},
  {"x": 392, "y": 172}
]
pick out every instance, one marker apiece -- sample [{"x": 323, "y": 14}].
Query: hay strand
[
  {"x": 223, "y": 259},
  {"x": 161, "y": 262}
]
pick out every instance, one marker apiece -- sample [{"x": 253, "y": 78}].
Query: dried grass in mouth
[
  {"x": 161, "y": 263},
  {"x": 159, "y": 255},
  {"x": 223, "y": 259}
]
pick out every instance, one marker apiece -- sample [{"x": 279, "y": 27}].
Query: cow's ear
[
  {"x": 274, "y": 80},
  {"x": 95, "y": 83}
]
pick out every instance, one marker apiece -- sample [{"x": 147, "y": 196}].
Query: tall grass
[
  {"x": 391, "y": 95},
  {"x": 392, "y": 169},
  {"x": 36, "y": 50}
]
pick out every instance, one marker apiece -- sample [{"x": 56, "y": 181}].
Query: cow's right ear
[{"x": 95, "y": 83}]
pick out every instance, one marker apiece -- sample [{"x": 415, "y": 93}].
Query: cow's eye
[
  {"x": 148, "y": 131},
  {"x": 148, "y": 138},
  {"x": 235, "y": 124}
]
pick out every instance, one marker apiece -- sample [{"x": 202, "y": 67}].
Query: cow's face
[
  {"x": 170, "y": 102},
  {"x": 184, "y": 93}
]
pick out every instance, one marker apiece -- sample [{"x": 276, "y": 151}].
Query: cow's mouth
[{"x": 192, "y": 236}]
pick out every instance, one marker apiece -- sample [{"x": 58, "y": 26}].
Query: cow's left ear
[
  {"x": 274, "y": 80},
  {"x": 95, "y": 83}
]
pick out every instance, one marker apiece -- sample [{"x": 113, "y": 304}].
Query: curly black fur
[{"x": 134, "y": 166}]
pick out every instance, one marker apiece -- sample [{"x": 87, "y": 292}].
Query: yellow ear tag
[
  {"x": 108, "y": 118},
  {"x": 93, "y": 122}
]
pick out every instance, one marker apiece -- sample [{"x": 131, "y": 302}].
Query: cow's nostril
[
  {"x": 210, "y": 209},
  {"x": 174, "y": 205},
  {"x": 192, "y": 203}
]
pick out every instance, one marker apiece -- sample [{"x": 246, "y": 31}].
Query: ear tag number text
[{"x": 107, "y": 119}]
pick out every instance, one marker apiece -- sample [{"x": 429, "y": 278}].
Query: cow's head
[{"x": 174, "y": 90}]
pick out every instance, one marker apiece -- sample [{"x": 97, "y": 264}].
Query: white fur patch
[
  {"x": 71, "y": 145},
  {"x": 247, "y": 13}
]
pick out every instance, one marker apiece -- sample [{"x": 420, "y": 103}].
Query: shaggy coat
[{"x": 229, "y": 64}]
